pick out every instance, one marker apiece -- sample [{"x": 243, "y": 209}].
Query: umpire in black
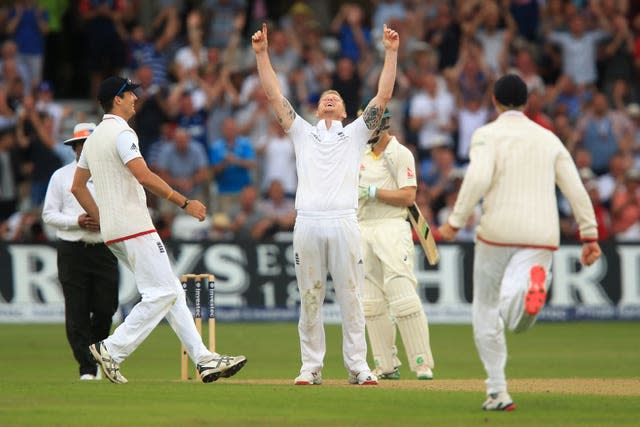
[{"x": 87, "y": 269}]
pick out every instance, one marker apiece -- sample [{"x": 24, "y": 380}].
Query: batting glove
[{"x": 367, "y": 191}]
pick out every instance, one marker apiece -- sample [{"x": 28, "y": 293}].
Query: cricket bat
[{"x": 424, "y": 234}]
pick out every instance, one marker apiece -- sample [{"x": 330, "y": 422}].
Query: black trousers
[{"x": 89, "y": 277}]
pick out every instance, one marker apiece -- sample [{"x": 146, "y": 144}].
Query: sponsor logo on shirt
[
  {"x": 297, "y": 257},
  {"x": 134, "y": 147},
  {"x": 160, "y": 247},
  {"x": 410, "y": 173}
]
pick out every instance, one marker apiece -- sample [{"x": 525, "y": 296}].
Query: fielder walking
[
  {"x": 387, "y": 186},
  {"x": 326, "y": 237},
  {"x": 515, "y": 166},
  {"x": 87, "y": 270},
  {"x": 111, "y": 156}
]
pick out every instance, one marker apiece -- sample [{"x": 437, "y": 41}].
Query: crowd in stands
[{"x": 205, "y": 126}]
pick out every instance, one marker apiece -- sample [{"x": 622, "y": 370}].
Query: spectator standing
[
  {"x": 232, "y": 158},
  {"x": 354, "y": 37},
  {"x": 248, "y": 220},
  {"x": 151, "y": 109},
  {"x": 105, "y": 38},
  {"x": 604, "y": 132},
  {"x": 9, "y": 172},
  {"x": 279, "y": 160},
  {"x": 625, "y": 208},
  {"x": 579, "y": 47},
  {"x": 184, "y": 166},
  {"x": 35, "y": 137},
  {"x": 29, "y": 25}
]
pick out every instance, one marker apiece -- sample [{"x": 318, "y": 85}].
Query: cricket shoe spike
[
  {"x": 308, "y": 378},
  {"x": 536, "y": 294},
  {"x": 110, "y": 368},
  {"x": 499, "y": 402},
  {"x": 362, "y": 378},
  {"x": 220, "y": 366}
]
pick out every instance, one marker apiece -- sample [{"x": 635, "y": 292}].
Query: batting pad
[
  {"x": 414, "y": 330},
  {"x": 381, "y": 331}
]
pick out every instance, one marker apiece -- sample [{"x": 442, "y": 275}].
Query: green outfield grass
[{"x": 39, "y": 385}]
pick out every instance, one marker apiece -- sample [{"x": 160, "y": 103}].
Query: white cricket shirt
[{"x": 327, "y": 162}]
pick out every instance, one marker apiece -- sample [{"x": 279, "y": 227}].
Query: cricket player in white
[
  {"x": 326, "y": 237},
  {"x": 112, "y": 157},
  {"x": 387, "y": 186},
  {"x": 515, "y": 166}
]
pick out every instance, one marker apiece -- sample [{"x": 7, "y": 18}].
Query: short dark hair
[
  {"x": 510, "y": 91},
  {"x": 111, "y": 87}
]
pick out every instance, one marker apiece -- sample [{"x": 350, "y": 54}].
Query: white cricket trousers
[
  {"x": 500, "y": 282},
  {"x": 329, "y": 242},
  {"x": 162, "y": 295}
]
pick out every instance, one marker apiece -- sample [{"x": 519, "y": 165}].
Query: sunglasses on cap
[{"x": 124, "y": 85}]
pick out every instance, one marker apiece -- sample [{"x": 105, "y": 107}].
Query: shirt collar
[
  {"x": 512, "y": 113},
  {"x": 336, "y": 125},
  {"x": 115, "y": 117}
]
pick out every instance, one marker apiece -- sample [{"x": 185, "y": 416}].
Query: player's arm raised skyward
[
  {"x": 281, "y": 106},
  {"x": 375, "y": 108}
]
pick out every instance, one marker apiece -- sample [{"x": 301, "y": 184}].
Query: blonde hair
[{"x": 331, "y": 92}]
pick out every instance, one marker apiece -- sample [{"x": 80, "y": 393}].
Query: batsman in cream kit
[{"x": 387, "y": 186}]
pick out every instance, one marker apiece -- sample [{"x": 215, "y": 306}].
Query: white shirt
[
  {"x": 327, "y": 162},
  {"x": 468, "y": 122},
  {"x": 280, "y": 163},
  {"x": 61, "y": 209},
  {"x": 120, "y": 198},
  {"x": 440, "y": 107}
]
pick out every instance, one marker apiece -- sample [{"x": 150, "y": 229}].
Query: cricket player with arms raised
[
  {"x": 515, "y": 167},
  {"x": 387, "y": 187},
  {"x": 326, "y": 237}
]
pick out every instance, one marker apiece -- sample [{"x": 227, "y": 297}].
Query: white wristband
[{"x": 372, "y": 191}]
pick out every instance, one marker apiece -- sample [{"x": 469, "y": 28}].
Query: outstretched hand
[
  {"x": 259, "y": 39},
  {"x": 390, "y": 39}
]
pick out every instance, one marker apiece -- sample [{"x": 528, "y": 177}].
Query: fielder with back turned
[
  {"x": 387, "y": 187},
  {"x": 515, "y": 166}
]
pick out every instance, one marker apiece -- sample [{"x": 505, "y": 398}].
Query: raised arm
[
  {"x": 373, "y": 113},
  {"x": 281, "y": 106}
]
